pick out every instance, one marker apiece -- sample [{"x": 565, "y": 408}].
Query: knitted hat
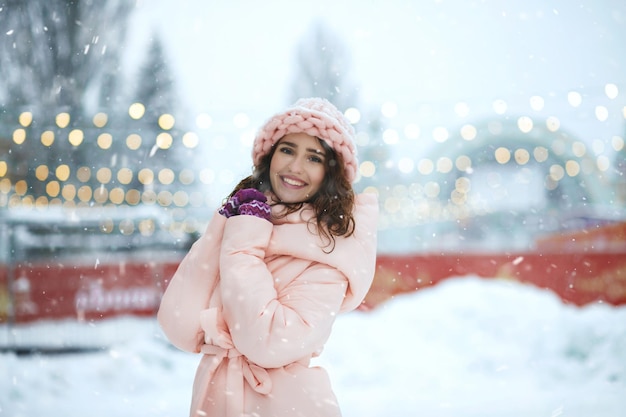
[{"x": 316, "y": 117}]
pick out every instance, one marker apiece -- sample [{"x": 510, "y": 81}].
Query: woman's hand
[{"x": 247, "y": 201}]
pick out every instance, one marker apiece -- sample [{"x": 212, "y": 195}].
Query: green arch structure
[{"x": 592, "y": 186}]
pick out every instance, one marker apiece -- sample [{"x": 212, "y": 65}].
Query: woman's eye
[
  {"x": 316, "y": 159},
  {"x": 286, "y": 150}
]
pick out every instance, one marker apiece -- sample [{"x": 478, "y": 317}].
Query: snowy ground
[{"x": 466, "y": 347}]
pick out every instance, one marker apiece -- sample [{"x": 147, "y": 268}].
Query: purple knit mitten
[
  {"x": 256, "y": 208},
  {"x": 246, "y": 195}
]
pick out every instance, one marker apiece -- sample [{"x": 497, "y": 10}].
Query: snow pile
[
  {"x": 473, "y": 347},
  {"x": 466, "y": 347}
]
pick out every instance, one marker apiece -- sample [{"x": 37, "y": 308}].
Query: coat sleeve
[
  {"x": 190, "y": 289},
  {"x": 274, "y": 329}
]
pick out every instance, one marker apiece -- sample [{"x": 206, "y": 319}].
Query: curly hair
[{"x": 333, "y": 203}]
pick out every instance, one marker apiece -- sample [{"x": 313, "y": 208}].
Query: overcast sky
[
  {"x": 240, "y": 53},
  {"x": 440, "y": 62}
]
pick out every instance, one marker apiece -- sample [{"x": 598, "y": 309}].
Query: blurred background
[
  {"x": 488, "y": 112},
  {"x": 493, "y": 133},
  {"x": 483, "y": 127}
]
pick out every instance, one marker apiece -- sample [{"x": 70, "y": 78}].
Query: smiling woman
[
  {"x": 291, "y": 248},
  {"x": 297, "y": 168}
]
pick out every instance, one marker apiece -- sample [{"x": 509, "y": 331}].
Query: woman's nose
[{"x": 296, "y": 165}]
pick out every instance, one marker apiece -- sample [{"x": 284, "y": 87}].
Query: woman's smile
[
  {"x": 293, "y": 182},
  {"x": 297, "y": 168}
]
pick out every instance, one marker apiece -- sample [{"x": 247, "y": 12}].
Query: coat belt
[{"x": 257, "y": 377}]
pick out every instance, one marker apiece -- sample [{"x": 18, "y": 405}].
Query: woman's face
[{"x": 297, "y": 168}]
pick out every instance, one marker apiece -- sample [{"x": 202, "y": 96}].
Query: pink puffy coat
[{"x": 258, "y": 300}]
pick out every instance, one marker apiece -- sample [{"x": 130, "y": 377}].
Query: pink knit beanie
[{"x": 316, "y": 117}]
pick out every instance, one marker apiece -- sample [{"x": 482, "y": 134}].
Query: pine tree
[
  {"x": 57, "y": 56},
  {"x": 53, "y": 52},
  {"x": 156, "y": 90},
  {"x": 322, "y": 68},
  {"x": 155, "y": 87}
]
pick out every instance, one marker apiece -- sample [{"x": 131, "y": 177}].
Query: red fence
[
  {"x": 93, "y": 292},
  {"x": 62, "y": 290},
  {"x": 582, "y": 268},
  {"x": 578, "y": 278}
]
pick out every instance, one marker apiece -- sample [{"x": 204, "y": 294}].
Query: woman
[{"x": 291, "y": 248}]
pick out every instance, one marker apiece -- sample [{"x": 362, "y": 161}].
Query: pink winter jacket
[{"x": 259, "y": 300}]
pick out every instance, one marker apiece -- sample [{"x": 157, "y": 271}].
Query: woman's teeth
[{"x": 293, "y": 182}]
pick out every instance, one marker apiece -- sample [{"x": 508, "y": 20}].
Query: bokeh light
[
  {"x": 25, "y": 118},
  {"x": 440, "y": 134},
  {"x": 353, "y": 115},
  {"x": 104, "y": 175},
  {"x": 105, "y": 140},
  {"x": 444, "y": 165},
  {"x": 166, "y": 121},
  {"x": 164, "y": 141},
  {"x": 389, "y": 109},
  {"x": 47, "y": 138},
  {"x": 76, "y": 137},
  {"x": 424, "y": 163},
  {"x": 522, "y": 156},
  {"x": 146, "y": 176},
  {"x": 574, "y": 98},
  {"x": 425, "y": 166},
  {"x": 391, "y": 137},
  {"x": 124, "y": 176},
  {"x": 611, "y": 90},
  {"x": 525, "y": 124},
  {"x": 42, "y": 172},
  {"x": 468, "y": 132},
  {"x": 83, "y": 174},
  {"x": 602, "y": 113},
  {"x": 19, "y": 136},
  {"x": 166, "y": 176},
  {"x": 136, "y": 111},
  {"x": 500, "y": 106},
  {"x": 100, "y": 119},
  {"x": 62, "y": 172},
  {"x": 63, "y": 120},
  {"x": 502, "y": 155},
  {"x": 537, "y": 103},
  {"x": 133, "y": 141},
  {"x": 367, "y": 169},
  {"x": 191, "y": 140}
]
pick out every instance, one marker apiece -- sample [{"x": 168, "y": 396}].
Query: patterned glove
[
  {"x": 256, "y": 208},
  {"x": 254, "y": 201}
]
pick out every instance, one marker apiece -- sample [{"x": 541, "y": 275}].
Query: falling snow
[{"x": 466, "y": 347}]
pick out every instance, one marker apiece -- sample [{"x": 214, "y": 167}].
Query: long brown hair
[{"x": 332, "y": 204}]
